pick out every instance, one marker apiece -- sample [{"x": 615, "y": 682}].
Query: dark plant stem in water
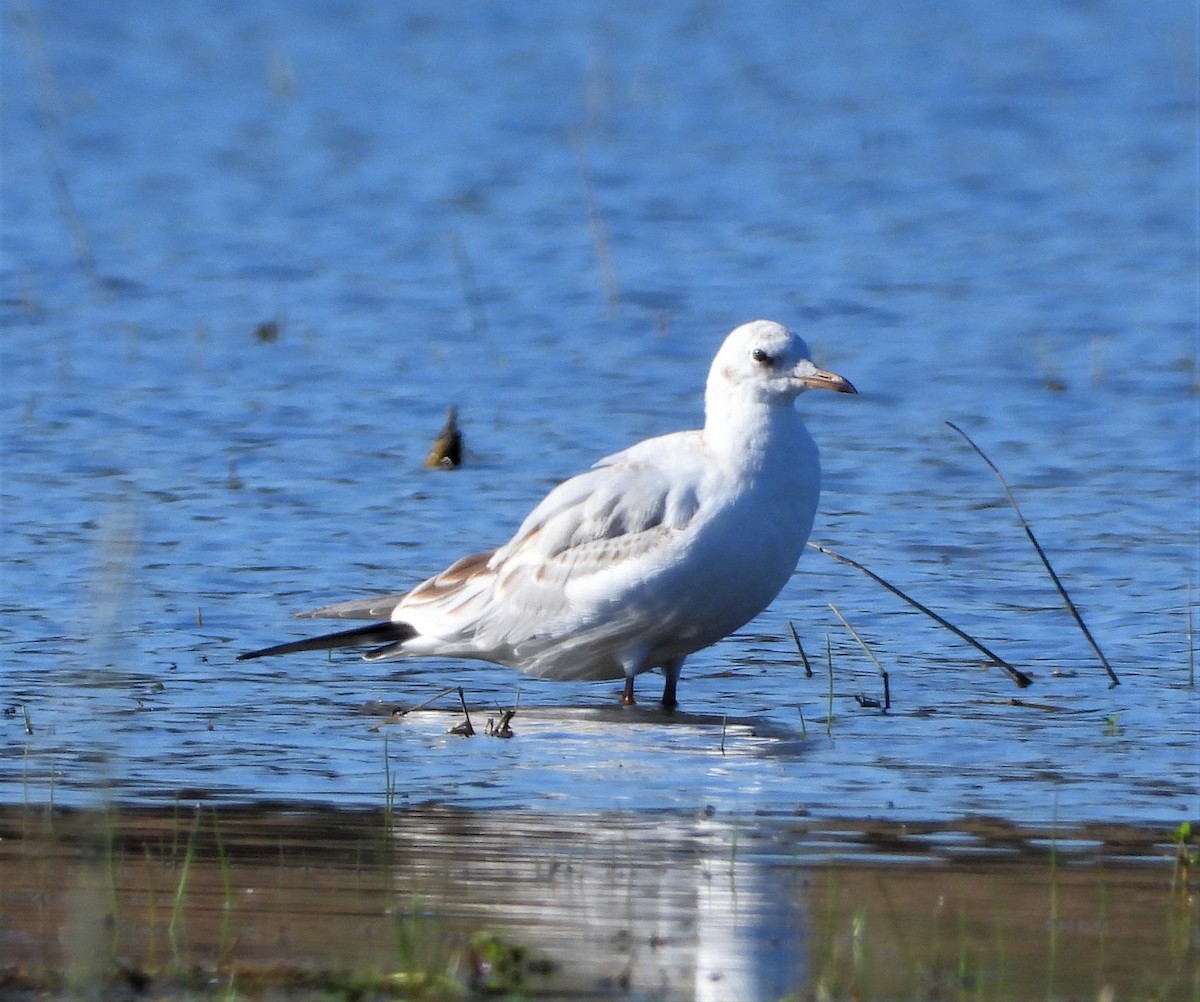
[
  {"x": 808, "y": 672},
  {"x": 466, "y": 729},
  {"x": 389, "y": 790},
  {"x": 829, "y": 710},
  {"x": 1019, "y": 677},
  {"x": 1042, "y": 554},
  {"x": 431, "y": 700}
]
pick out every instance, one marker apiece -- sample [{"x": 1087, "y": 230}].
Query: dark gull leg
[
  {"x": 627, "y": 694},
  {"x": 671, "y": 672}
]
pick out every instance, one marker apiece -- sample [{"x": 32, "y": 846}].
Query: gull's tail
[{"x": 389, "y": 635}]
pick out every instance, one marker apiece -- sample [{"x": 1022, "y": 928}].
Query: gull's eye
[{"x": 762, "y": 358}]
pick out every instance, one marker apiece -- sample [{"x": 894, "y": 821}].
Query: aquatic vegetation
[
  {"x": 1021, "y": 679},
  {"x": 1075, "y": 613},
  {"x": 868, "y": 701},
  {"x": 1186, "y": 844}
]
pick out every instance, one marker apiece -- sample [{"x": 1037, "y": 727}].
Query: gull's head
[{"x": 764, "y": 361}]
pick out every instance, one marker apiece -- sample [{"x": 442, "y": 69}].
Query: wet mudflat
[{"x": 441, "y": 903}]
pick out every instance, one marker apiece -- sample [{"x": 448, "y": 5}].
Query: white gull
[{"x": 651, "y": 555}]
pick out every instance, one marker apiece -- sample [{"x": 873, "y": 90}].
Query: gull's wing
[
  {"x": 377, "y": 607},
  {"x": 383, "y": 606},
  {"x": 617, "y": 512},
  {"x": 576, "y": 557},
  {"x": 585, "y": 546}
]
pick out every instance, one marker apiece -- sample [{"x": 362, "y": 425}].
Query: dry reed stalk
[
  {"x": 887, "y": 689},
  {"x": 1042, "y": 554},
  {"x": 808, "y": 672},
  {"x": 1019, "y": 677}
]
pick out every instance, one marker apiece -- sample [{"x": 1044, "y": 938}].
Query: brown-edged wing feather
[{"x": 381, "y": 606}]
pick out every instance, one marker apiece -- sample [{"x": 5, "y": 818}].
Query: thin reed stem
[
  {"x": 1019, "y": 677},
  {"x": 854, "y": 633},
  {"x": 430, "y": 700},
  {"x": 887, "y": 692},
  {"x": 175, "y": 930},
  {"x": 1042, "y": 554},
  {"x": 468, "y": 728},
  {"x": 808, "y": 672},
  {"x": 829, "y": 709}
]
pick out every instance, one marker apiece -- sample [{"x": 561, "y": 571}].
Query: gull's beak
[{"x": 821, "y": 379}]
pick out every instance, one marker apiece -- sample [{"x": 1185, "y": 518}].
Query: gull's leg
[
  {"x": 633, "y": 664},
  {"x": 671, "y": 672}
]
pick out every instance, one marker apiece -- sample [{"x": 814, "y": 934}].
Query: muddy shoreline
[{"x": 439, "y": 902}]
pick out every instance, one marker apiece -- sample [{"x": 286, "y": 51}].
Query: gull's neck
[{"x": 745, "y": 433}]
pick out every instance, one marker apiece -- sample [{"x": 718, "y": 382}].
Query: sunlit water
[{"x": 550, "y": 216}]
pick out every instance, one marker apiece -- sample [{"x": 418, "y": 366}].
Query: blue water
[{"x": 549, "y": 215}]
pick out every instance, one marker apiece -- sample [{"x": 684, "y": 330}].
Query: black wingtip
[{"x": 377, "y": 633}]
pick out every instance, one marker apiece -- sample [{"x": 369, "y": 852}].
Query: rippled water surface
[{"x": 252, "y": 253}]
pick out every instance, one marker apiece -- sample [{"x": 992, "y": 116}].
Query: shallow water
[{"x": 549, "y": 216}]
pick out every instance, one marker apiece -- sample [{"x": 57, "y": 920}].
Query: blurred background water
[{"x": 250, "y": 254}]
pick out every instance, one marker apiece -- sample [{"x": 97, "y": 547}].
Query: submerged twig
[
  {"x": 504, "y": 728},
  {"x": 1048, "y": 707},
  {"x": 1019, "y": 677},
  {"x": 1042, "y": 554},
  {"x": 397, "y": 715},
  {"x": 808, "y": 672},
  {"x": 429, "y": 701},
  {"x": 864, "y": 700},
  {"x": 465, "y": 729}
]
